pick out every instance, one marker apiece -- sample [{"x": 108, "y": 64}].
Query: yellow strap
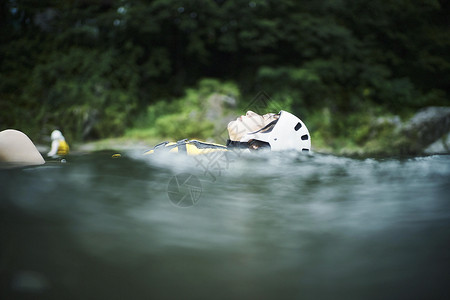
[
  {"x": 191, "y": 148},
  {"x": 167, "y": 145}
]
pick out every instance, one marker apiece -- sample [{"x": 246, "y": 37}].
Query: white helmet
[
  {"x": 57, "y": 135},
  {"x": 288, "y": 133}
]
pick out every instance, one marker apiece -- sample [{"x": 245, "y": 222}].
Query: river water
[{"x": 271, "y": 226}]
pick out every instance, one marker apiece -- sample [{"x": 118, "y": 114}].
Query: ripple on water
[{"x": 320, "y": 222}]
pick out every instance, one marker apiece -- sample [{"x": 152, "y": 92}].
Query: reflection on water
[{"x": 310, "y": 227}]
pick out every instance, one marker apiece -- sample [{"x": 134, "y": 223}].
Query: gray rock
[
  {"x": 391, "y": 120},
  {"x": 218, "y": 111},
  {"x": 441, "y": 146},
  {"x": 426, "y": 127},
  {"x": 217, "y": 104}
]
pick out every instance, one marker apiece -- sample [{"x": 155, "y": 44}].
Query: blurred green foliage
[
  {"x": 184, "y": 117},
  {"x": 96, "y": 68}
]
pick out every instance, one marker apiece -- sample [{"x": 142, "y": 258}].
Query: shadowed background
[{"x": 352, "y": 70}]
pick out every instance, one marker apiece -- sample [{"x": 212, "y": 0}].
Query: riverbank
[
  {"x": 368, "y": 133},
  {"x": 427, "y": 132}
]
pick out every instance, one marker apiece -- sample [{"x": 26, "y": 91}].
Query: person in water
[
  {"x": 275, "y": 132},
  {"x": 17, "y": 149},
  {"x": 59, "y": 145}
]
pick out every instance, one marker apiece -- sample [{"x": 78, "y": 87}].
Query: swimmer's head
[{"x": 57, "y": 135}]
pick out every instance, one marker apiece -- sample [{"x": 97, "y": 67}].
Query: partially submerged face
[
  {"x": 279, "y": 132},
  {"x": 251, "y": 122}
]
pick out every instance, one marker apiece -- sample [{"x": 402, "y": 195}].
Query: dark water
[{"x": 269, "y": 227}]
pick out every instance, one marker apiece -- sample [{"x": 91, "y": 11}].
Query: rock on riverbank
[
  {"x": 427, "y": 132},
  {"x": 428, "y": 126}
]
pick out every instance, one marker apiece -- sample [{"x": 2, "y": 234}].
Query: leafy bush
[
  {"x": 87, "y": 93},
  {"x": 185, "y": 117},
  {"x": 182, "y": 125}
]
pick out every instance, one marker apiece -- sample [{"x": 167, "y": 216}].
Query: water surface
[{"x": 263, "y": 227}]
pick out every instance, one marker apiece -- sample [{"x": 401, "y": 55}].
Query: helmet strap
[{"x": 236, "y": 144}]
